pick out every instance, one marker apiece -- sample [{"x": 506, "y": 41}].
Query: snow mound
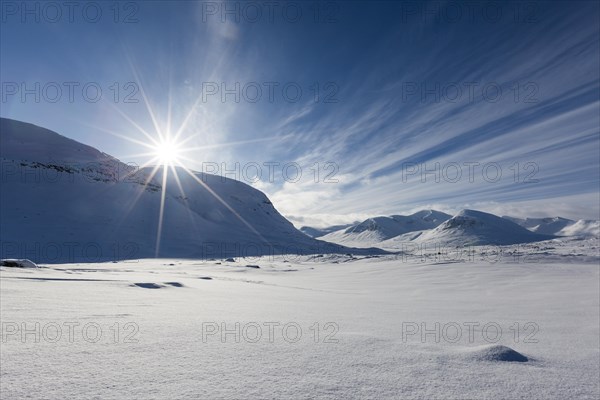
[
  {"x": 175, "y": 284},
  {"x": 18, "y": 263},
  {"x": 495, "y": 353},
  {"x": 148, "y": 285}
]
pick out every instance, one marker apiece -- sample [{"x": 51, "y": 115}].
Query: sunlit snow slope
[{"x": 63, "y": 201}]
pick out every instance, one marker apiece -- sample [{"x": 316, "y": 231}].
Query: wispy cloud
[{"x": 409, "y": 95}]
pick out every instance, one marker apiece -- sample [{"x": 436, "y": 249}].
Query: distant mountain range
[{"x": 468, "y": 227}]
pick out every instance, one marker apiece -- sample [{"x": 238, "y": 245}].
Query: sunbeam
[
  {"x": 161, "y": 213},
  {"x": 223, "y": 202}
]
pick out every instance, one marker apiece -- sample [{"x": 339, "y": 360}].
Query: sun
[{"x": 167, "y": 152}]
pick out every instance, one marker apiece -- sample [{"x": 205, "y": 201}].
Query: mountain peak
[{"x": 472, "y": 227}]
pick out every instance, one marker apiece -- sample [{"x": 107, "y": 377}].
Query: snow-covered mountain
[
  {"x": 473, "y": 228},
  {"x": 63, "y": 201},
  {"x": 547, "y": 226},
  {"x": 558, "y": 226},
  {"x": 375, "y": 230},
  {"x": 318, "y": 232},
  {"x": 581, "y": 228},
  {"x": 468, "y": 227}
]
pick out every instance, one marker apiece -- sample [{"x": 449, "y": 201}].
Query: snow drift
[{"x": 495, "y": 353}]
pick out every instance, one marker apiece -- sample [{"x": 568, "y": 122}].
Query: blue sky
[{"x": 446, "y": 105}]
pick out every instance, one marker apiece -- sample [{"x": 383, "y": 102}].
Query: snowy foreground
[{"x": 307, "y": 327}]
